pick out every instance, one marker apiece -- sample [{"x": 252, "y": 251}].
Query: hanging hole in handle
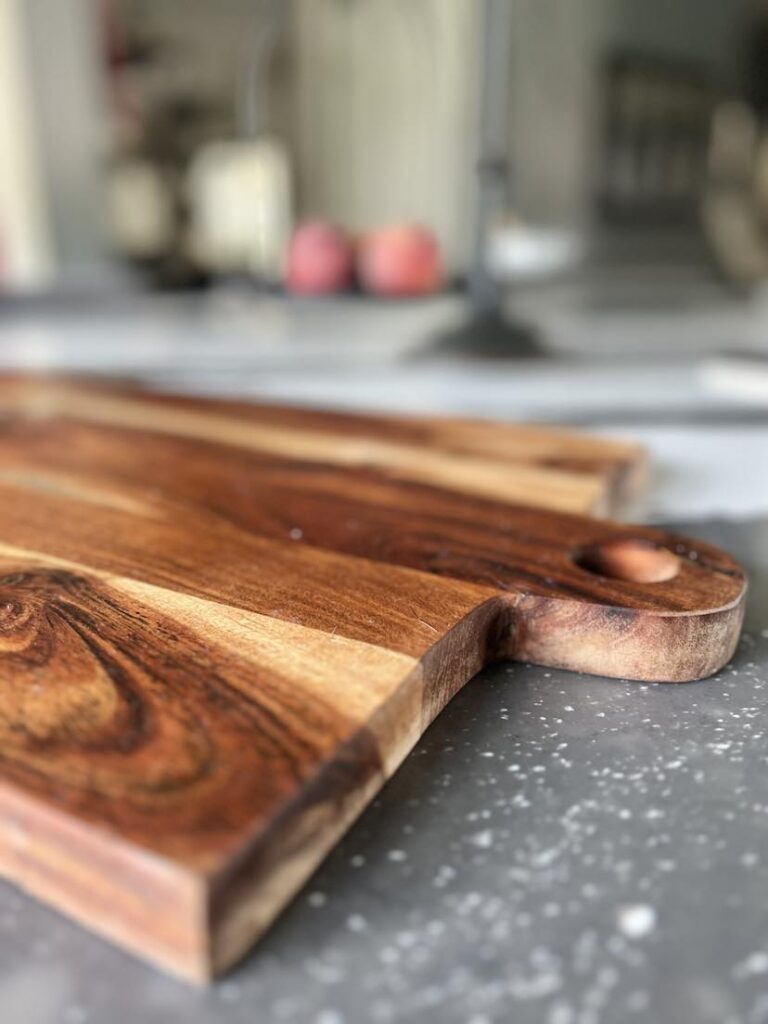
[{"x": 635, "y": 561}]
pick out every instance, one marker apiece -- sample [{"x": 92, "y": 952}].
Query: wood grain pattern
[
  {"x": 562, "y": 470},
  {"x": 223, "y": 626}
]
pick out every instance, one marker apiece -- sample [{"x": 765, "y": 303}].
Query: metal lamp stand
[{"x": 487, "y": 331}]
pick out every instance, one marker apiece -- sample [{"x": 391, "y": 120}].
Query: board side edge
[{"x": 147, "y": 905}]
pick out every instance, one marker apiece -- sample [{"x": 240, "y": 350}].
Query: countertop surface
[{"x": 558, "y": 848}]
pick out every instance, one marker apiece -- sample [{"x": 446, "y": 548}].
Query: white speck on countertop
[
  {"x": 636, "y": 920},
  {"x": 482, "y": 839},
  {"x": 756, "y": 963}
]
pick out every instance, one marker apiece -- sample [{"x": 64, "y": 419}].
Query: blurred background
[{"x": 550, "y": 210}]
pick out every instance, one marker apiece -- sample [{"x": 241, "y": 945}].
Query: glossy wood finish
[
  {"x": 222, "y": 627},
  {"x": 538, "y": 465}
]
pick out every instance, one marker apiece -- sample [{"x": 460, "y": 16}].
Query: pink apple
[
  {"x": 400, "y": 260},
  {"x": 319, "y": 259}
]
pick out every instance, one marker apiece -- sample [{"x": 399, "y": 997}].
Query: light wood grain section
[{"x": 541, "y": 466}]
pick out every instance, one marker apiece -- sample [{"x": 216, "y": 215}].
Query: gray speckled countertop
[{"x": 557, "y": 849}]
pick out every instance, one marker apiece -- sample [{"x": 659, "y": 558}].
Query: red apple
[
  {"x": 400, "y": 260},
  {"x": 319, "y": 259}
]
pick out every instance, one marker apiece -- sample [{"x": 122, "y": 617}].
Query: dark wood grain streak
[
  {"x": 137, "y": 718},
  {"x": 215, "y": 645}
]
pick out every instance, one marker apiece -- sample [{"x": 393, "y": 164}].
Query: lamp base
[{"x": 489, "y": 335}]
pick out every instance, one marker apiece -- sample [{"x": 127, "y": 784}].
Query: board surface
[{"x": 223, "y": 626}]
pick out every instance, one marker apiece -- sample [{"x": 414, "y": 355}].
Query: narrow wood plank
[
  {"x": 564, "y": 471},
  {"x": 219, "y": 636}
]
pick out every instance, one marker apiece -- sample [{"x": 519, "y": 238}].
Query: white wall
[
  {"x": 26, "y": 244},
  {"x": 68, "y": 98},
  {"x": 51, "y": 149}
]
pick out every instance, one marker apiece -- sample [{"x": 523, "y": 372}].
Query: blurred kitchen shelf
[
  {"x": 629, "y": 312},
  {"x": 226, "y": 329}
]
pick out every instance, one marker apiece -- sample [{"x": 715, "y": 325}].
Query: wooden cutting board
[{"x": 223, "y": 626}]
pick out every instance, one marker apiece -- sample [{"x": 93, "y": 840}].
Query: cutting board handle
[{"x": 622, "y": 601}]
